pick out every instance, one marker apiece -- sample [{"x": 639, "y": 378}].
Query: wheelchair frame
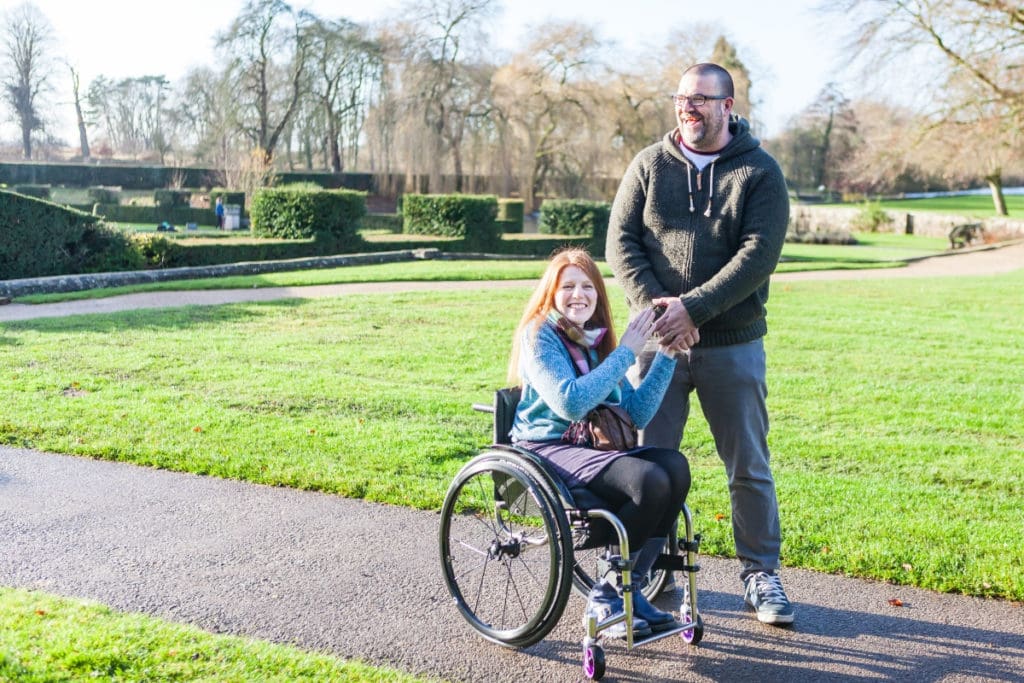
[{"x": 492, "y": 549}]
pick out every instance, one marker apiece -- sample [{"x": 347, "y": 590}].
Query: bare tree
[
  {"x": 83, "y": 133},
  {"x": 445, "y": 79},
  {"x": 28, "y": 37},
  {"x": 345, "y": 67},
  {"x": 133, "y": 113},
  {"x": 545, "y": 94},
  {"x": 267, "y": 49},
  {"x": 976, "y": 48}
]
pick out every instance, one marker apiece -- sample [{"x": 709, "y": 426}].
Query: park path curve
[{"x": 984, "y": 261}]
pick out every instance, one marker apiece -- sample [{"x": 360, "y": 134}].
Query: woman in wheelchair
[{"x": 567, "y": 360}]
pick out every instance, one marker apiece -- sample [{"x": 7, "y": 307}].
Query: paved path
[
  {"x": 975, "y": 262},
  {"x": 362, "y": 580}
]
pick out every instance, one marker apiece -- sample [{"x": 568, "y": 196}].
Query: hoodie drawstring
[
  {"x": 711, "y": 190},
  {"x": 689, "y": 187}
]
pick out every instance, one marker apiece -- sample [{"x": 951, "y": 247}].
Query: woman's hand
[{"x": 639, "y": 330}]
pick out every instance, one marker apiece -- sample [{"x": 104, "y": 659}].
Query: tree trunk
[
  {"x": 26, "y": 142},
  {"x": 995, "y": 183},
  {"x": 83, "y": 134}
]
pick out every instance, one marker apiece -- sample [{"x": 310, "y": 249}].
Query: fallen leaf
[
  {"x": 908, "y": 567},
  {"x": 197, "y": 428},
  {"x": 895, "y": 602},
  {"x": 41, "y": 612},
  {"x": 719, "y": 517}
]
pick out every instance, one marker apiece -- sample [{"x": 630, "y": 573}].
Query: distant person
[
  {"x": 700, "y": 217},
  {"x": 567, "y": 360},
  {"x": 219, "y": 210}
]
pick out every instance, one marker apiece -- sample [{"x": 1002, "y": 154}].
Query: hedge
[
  {"x": 154, "y": 215},
  {"x": 39, "y": 238},
  {"x": 576, "y": 217},
  {"x": 510, "y": 215},
  {"x": 327, "y": 215},
  {"x": 229, "y": 196},
  {"x": 468, "y": 217}
]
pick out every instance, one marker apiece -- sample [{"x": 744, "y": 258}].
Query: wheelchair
[{"x": 514, "y": 542}]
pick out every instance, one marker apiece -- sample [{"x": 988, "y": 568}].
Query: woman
[{"x": 569, "y": 315}]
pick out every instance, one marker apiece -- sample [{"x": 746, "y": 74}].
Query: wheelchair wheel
[{"x": 506, "y": 552}]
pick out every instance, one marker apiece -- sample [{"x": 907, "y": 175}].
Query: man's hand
[{"x": 675, "y": 327}]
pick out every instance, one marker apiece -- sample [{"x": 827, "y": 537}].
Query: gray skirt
[{"x": 577, "y": 466}]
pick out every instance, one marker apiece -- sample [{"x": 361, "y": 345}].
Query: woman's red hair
[{"x": 542, "y": 302}]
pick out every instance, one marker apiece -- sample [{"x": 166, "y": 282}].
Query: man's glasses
[{"x": 696, "y": 100}]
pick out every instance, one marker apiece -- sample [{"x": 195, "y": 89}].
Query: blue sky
[{"x": 791, "y": 53}]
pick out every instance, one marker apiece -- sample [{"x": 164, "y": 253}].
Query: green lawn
[
  {"x": 896, "y": 409},
  {"x": 44, "y": 638},
  {"x": 979, "y": 206}
]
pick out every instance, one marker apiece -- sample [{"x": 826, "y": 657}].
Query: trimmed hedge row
[
  {"x": 468, "y": 217},
  {"x": 576, "y": 217},
  {"x": 159, "y": 251},
  {"x": 152, "y": 215},
  {"x": 327, "y": 215},
  {"x": 39, "y": 238}
]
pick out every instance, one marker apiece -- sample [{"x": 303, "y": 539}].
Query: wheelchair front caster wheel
[
  {"x": 593, "y": 662},
  {"x": 692, "y": 636}
]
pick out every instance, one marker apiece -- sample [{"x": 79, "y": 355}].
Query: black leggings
[{"x": 646, "y": 491}]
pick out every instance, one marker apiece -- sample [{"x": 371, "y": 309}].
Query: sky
[{"x": 790, "y": 51}]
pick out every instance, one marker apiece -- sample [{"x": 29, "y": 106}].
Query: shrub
[
  {"x": 870, "y": 218},
  {"x": 40, "y": 238},
  {"x": 469, "y": 217},
  {"x": 153, "y": 215},
  {"x": 331, "y": 216},
  {"x": 576, "y": 217},
  {"x": 510, "y": 215},
  {"x": 228, "y": 196}
]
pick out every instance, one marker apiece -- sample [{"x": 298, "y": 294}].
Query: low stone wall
[
  {"x": 824, "y": 218},
  {"x": 74, "y": 283}
]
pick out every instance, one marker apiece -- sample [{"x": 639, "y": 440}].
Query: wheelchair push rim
[{"x": 505, "y": 551}]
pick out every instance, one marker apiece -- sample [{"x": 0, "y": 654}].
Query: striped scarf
[{"x": 577, "y": 340}]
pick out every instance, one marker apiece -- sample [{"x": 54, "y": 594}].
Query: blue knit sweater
[{"x": 554, "y": 395}]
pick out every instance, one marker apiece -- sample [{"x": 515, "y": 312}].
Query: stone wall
[
  {"x": 74, "y": 283},
  {"x": 825, "y": 218}
]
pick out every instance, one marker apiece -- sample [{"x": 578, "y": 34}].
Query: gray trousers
[{"x": 731, "y": 387}]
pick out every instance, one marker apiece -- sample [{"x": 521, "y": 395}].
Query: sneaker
[
  {"x": 765, "y": 595},
  {"x": 603, "y": 602}
]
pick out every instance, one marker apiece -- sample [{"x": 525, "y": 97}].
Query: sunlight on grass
[
  {"x": 49, "y": 638},
  {"x": 895, "y": 404}
]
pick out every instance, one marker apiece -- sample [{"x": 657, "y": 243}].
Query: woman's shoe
[
  {"x": 604, "y": 602},
  {"x": 655, "y": 618}
]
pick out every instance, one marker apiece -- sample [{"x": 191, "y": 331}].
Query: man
[{"x": 698, "y": 225}]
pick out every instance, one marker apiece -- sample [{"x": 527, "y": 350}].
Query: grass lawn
[
  {"x": 979, "y": 206},
  {"x": 896, "y": 407},
  {"x": 45, "y": 638}
]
